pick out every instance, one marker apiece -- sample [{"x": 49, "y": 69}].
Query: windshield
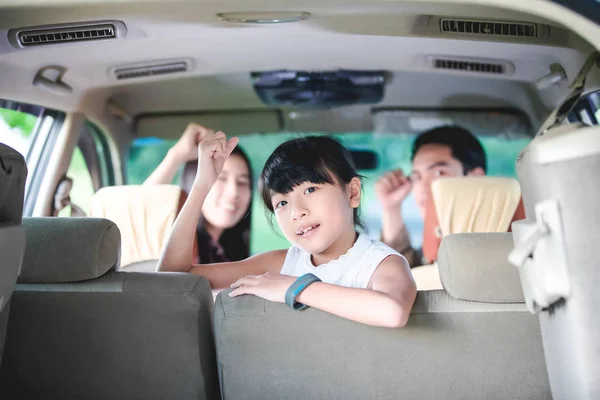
[{"x": 503, "y": 136}]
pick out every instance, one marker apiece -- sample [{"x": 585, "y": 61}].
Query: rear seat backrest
[
  {"x": 484, "y": 348},
  {"x": 144, "y": 215},
  {"x": 13, "y": 173},
  {"x": 469, "y": 204},
  {"x": 80, "y": 330}
]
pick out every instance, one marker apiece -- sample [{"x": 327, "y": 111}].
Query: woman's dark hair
[
  {"x": 315, "y": 159},
  {"x": 464, "y": 146},
  {"x": 235, "y": 240}
]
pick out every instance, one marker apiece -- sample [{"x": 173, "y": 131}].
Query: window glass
[
  {"x": 17, "y": 126},
  {"x": 501, "y": 141}
]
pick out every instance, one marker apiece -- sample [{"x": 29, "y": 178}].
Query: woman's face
[{"x": 229, "y": 198}]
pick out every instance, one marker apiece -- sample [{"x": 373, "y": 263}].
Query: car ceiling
[{"x": 392, "y": 36}]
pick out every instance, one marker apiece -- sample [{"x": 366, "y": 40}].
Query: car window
[
  {"x": 89, "y": 170},
  {"x": 17, "y": 125},
  {"x": 83, "y": 188},
  {"x": 32, "y": 130},
  {"x": 587, "y": 109},
  {"x": 393, "y": 149}
]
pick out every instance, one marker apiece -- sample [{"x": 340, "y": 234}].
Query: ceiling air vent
[
  {"x": 489, "y": 28},
  {"x": 67, "y": 33},
  {"x": 469, "y": 66},
  {"x": 448, "y": 25},
  {"x": 147, "y": 70}
]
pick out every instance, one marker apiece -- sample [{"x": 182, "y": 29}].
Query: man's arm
[
  {"x": 392, "y": 189},
  {"x": 395, "y": 235}
]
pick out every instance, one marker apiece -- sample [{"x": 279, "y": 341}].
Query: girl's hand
[
  {"x": 269, "y": 286},
  {"x": 213, "y": 150},
  {"x": 186, "y": 148}
]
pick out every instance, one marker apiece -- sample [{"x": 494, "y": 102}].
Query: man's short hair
[{"x": 464, "y": 146}]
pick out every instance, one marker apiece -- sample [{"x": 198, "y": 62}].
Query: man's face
[{"x": 431, "y": 162}]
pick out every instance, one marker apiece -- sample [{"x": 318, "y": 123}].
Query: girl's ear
[{"x": 354, "y": 192}]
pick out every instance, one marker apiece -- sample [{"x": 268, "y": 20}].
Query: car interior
[{"x": 93, "y": 94}]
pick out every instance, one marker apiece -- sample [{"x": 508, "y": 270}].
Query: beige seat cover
[
  {"x": 144, "y": 215},
  {"x": 466, "y": 205},
  {"x": 427, "y": 277},
  {"x": 475, "y": 204}
]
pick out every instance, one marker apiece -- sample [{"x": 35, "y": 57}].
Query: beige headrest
[
  {"x": 474, "y": 266},
  {"x": 475, "y": 204},
  {"x": 144, "y": 215},
  {"x": 60, "y": 250}
]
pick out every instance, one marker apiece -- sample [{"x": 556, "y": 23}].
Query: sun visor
[
  {"x": 506, "y": 124},
  {"x": 233, "y": 123}
]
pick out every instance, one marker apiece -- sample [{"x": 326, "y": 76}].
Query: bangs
[
  {"x": 317, "y": 160},
  {"x": 292, "y": 175}
]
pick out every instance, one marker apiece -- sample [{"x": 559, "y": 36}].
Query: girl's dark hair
[
  {"x": 315, "y": 159},
  {"x": 235, "y": 240}
]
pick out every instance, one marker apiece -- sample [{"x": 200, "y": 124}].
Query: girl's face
[
  {"x": 315, "y": 217},
  {"x": 229, "y": 198}
]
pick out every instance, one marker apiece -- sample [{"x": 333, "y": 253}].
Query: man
[{"x": 443, "y": 151}]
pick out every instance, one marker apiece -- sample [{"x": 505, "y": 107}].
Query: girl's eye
[
  {"x": 310, "y": 190},
  {"x": 280, "y": 204}
]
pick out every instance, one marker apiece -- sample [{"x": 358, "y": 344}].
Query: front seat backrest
[
  {"x": 13, "y": 174},
  {"x": 556, "y": 252},
  {"x": 81, "y": 330},
  {"x": 144, "y": 215},
  {"x": 478, "y": 342},
  {"x": 469, "y": 204}
]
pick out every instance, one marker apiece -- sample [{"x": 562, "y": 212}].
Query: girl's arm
[
  {"x": 222, "y": 275},
  {"x": 178, "y": 251},
  {"x": 213, "y": 150},
  {"x": 387, "y": 302}
]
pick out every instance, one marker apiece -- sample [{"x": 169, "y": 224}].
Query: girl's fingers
[
  {"x": 246, "y": 280},
  {"x": 241, "y": 291},
  {"x": 223, "y": 147},
  {"x": 231, "y": 145}
]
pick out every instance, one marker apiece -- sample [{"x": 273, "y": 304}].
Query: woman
[{"x": 223, "y": 229}]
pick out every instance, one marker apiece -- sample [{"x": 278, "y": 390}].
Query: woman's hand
[
  {"x": 269, "y": 286},
  {"x": 213, "y": 150},
  {"x": 186, "y": 148}
]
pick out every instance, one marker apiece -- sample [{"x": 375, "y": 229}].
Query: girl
[
  {"x": 223, "y": 228},
  {"x": 312, "y": 187}
]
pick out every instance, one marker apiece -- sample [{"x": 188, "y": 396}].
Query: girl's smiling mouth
[{"x": 307, "y": 230}]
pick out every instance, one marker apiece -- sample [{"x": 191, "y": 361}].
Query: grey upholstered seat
[
  {"x": 13, "y": 173},
  {"x": 80, "y": 330},
  {"x": 474, "y": 341}
]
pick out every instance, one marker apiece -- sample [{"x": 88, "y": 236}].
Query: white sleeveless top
[{"x": 353, "y": 269}]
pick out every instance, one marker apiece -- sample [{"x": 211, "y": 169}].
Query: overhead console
[{"x": 319, "y": 89}]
